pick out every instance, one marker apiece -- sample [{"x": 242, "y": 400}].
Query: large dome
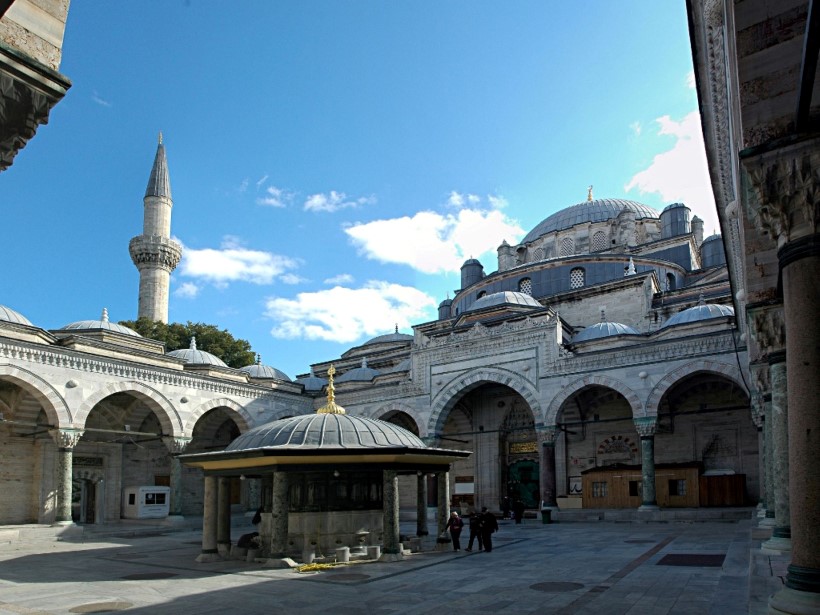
[
  {"x": 326, "y": 431},
  {"x": 597, "y": 210}
]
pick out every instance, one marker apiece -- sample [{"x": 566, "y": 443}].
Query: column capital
[
  {"x": 66, "y": 438},
  {"x": 784, "y": 184},
  {"x": 176, "y": 445},
  {"x": 761, "y": 382},
  {"x": 546, "y": 434},
  {"x": 767, "y": 326},
  {"x": 758, "y": 412},
  {"x": 646, "y": 425}
]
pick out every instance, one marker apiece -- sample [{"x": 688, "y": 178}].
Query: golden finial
[
  {"x": 589, "y": 194},
  {"x": 160, "y": 137},
  {"x": 331, "y": 407}
]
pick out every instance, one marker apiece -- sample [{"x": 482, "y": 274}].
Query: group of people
[{"x": 482, "y": 526}]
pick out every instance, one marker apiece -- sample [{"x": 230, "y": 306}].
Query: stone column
[
  {"x": 546, "y": 459},
  {"x": 421, "y": 505},
  {"x": 391, "y": 541},
  {"x": 768, "y": 449},
  {"x": 176, "y": 446},
  {"x": 646, "y": 427},
  {"x": 757, "y": 419},
  {"x": 223, "y": 516},
  {"x": 209, "y": 553},
  {"x": 443, "y": 486},
  {"x": 66, "y": 440},
  {"x": 781, "y": 535},
  {"x": 784, "y": 204},
  {"x": 279, "y": 516},
  {"x": 254, "y": 494}
]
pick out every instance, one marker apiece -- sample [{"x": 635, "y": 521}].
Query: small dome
[
  {"x": 390, "y": 337},
  {"x": 603, "y": 329},
  {"x": 598, "y": 210},
  {"x": 9, "y": 315},
  {"x": 257, "y": 370},
  {"x": 674, "y": 206},
  {"x": 715, "y": 237},
  {"x": 192, "y": 356},
  {"x": 103, "y": 323},
  {"x": 446, "y": 303},
  {"x": 326, "y": 431},
  {"x": 702, "y": 311},
  {"x": 359, "y": 374},
  {"x": 404, "y": 366},
  {"x": 312, "y": 382},
  {"x": 506, "y": 297}
]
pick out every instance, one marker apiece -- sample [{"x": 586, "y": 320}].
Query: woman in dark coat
[{"x": 454, "y": 524}]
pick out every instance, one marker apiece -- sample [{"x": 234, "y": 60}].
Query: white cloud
[
  {"x": 431, "y": 242},
  {"x": 342, "y": 278},
  {"x": 291, "y": 278},
  {"x": 334, "y": 201},
  {"x": 187, "y": 290},
  {"x": 681, "y": 173},
  {"x": 234, "y": 263},
  {"x": 636, "y": 128},
  {"x": 275, "y": 197},
  {"x": 261, "y": 181},
  {"x": 497, "y": 202},
  {"x": 345, "y": 314},
  {"x": 100, "y": 101},
  {"x": 690, "y": 80},
  {"x": 455, "y": 199},
  {"x": 244, "y": 185}
]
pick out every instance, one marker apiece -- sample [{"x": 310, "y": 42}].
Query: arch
[
  {"x": 593, "y": 380},
  {"x": 168, "y": 417},
  {"x": 239, "y": 414},
  {"x": 449, "y": 395},
  {"x": 395, "y": 406},
  {"x": 690, "y": 369},
  {"x": 55, "y": 406}
]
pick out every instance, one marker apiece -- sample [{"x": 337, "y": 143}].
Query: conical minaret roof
[{"x": 159, "y": 184}]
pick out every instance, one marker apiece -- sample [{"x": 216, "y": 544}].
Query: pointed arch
[
  {"x": 238, "y": 413},
  {"x": 53, "y": 404},
  {"x": 168, "y": 417},
  {"x": 729, "y": 372},
  {"x": 396, "y": 406},
  {"x": 456, "y": 389},
  {"x": 593, "y": 380}
]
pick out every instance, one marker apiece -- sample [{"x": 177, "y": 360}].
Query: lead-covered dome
[
  {"x": 507, "y": 297},
  {"x": 193, "y": 356},
  {"x": 603, "y": 329},
  {"x": 102, "y": 323},
  {"x": 258, "y": 370},
  {"x": 9, "y": 315},
  {"x": 597, "y": 210},
  {"x": 326, "y": 431},
  {"x": 702, "y": 311},
  {"x": 359, "y": 374},
  {"x": 390, "y": 338}
]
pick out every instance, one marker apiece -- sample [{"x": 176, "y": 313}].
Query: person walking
[
  {"x": 475, "y": 532},
  {"x": 454, "y": 524},
  {"x": 489, "y": 525},
  {"x": 518, "y": 511}
]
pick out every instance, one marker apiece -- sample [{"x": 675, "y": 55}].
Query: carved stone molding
[
  {"x": 176, "y": 446},
  {"x": 760, "y": 377},
  {"x": 66, "y": 438},
  {"x": 156, "y": 251},
  {"x": 758, "y": 412},
  {"x": 646, "y": 426},
  {"x": 768, "y": 327},
  {"x": 546, "y": 435},
  {"x": 785, "y": 190}
]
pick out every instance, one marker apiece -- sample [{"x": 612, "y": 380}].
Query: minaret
[{"x": 154, "y": 253}]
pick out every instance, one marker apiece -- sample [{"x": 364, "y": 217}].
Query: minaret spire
[{"x": 154, "y": 253}]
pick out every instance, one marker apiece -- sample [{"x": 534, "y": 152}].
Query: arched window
[
  {"x": 525, "y": 286},
  {"x": 576, "y": 278},
  {"x": 483, "y": 293},
  {"x": 599, "y": 242},
  {"x": 538, "y": 255},
  {"x": 671, "y": 283},
  {"x": 567, "y": 246}
]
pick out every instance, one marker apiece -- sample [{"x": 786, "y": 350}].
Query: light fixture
[
  {"x": 336, "y": 473},
  {"x": 241, "y": 477}
]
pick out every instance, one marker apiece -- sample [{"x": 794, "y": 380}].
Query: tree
[{"x": 234, "y": 352}]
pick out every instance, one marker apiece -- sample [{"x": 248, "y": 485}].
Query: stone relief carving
[{"x": 768, "y": 328}]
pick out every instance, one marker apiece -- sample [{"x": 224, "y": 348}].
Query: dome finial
[
  {"x": 258, "y": 359},
  {"x": 630, "y": 268},
  {"x": 397, "y": 328},
  {"x": 589, "y": 194},
  {"x": 701, "y": 299},
  {"x": 193, "y": 343},
  {"x": 160, "y": 138},
  {"x": 603, "y": 313},
  {"x": 331, "y": 407},
  {"x": 104, "y": 317}
]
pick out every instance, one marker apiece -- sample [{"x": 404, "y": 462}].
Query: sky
[{"x": 333, "y": 164}]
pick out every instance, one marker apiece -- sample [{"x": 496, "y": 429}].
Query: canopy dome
[
  {"x": 312, "y": 382},
  {"x": 603, "y": 329},
  {"x": 103, "y": 323},
  {"x": 193, "y": 356},
  {"x": 361, "y": 374},
  {"x": 597, "y": 210},
  {"x": 258, "y": 370},
  {"x": 702, "y": 311},
  {"x": 390, "y": 337},
  {"x": 502, "y": 298},
  {"x": 9, "y": 315}
]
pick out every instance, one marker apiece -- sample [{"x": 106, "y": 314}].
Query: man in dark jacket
[
  {"x": 475, "y": 532},
  {"x": 488, "y": 526}
]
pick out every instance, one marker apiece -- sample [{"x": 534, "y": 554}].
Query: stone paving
[{"x": 599, "y": 568}]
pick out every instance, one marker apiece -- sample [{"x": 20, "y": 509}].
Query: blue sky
[{"x": 333, "y": 163}]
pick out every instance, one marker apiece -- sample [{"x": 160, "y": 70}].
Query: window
[
  {"x": 635, "y": 488},
  {"x": 567, "y": 246},
  {"x": 599, "y": 490},
  {"x": 538, "y": 255},
  {"x": 483, "y": 293},
  {"x": 525, "y": 286},
  {"x": 677, "y": 487},
  {"x": 576, "y": 278},
  {"x": 670, "y": 281},
  {"x": 598, "y": 242}
]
